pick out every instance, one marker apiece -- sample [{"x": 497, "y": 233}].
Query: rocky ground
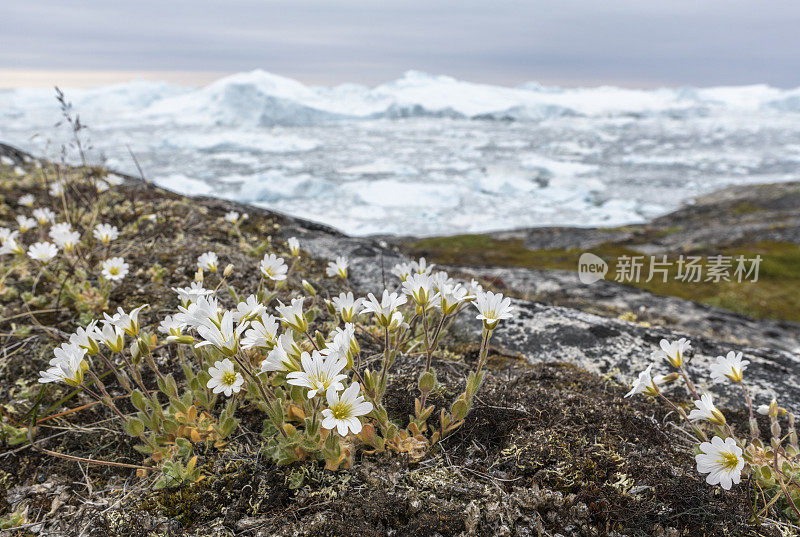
[{"x": 550, "y": 448}]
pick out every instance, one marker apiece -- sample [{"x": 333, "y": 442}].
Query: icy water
[{"x": 429, "y": 155}]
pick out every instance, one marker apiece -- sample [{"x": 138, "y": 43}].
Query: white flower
[
  {"x": 224, "y": 379},
  {"x": 343, "y": 411},
  {"x": 273, "y": 267},
  {"x": 27, "y": 200},
  {"x": 731, "y": 366},
  {"x": 344, "y": 343},
  {"x": 106, "y": 233},
  {"x": 6, "y": 234},
  {"x": 56, "y": 188},
  {"x": 385, "y": 309},
  {"x": 114, "y": 269},
  {"x": 207, "y": 261},
  {"x": 673, "y": 352},
  {"x": 224, "y": 337},
  {"x": 451, "y": 297},
  {"x": 249, "y": 309},
  {"x": 280, "y": 357},
  {"x": 11, "y": 246},
  {"x": 44, "y": 215},
  {"x": 67, "y": 366},
  {"x": 25, "y": 223},
  {"x": 203, "y": 309},
  {"x": 112, "y": 336},
  {"x": 420, "y": 288},
  {"x": 294, "y": 246},
  {"x": 644, "y": 383},
  {"x": 42, "y": 251},
  {"x": 319, "y": 373},
  {"x": 337, "y": 268},
  {"x": 474, "y": 288},
  {"x": 493, "y": 307},
  {"x": 64, "y": 237},
  {"x": 171, "y": 326},
  {"x": 232, "y": 217},
  {"x": 722, "y": 461},
  {"x": 127, "y": 322},
  {"x": 402, "y": 270},
  {"x": 440, "y": 279},
  {"x": 262, "y": 333},
  {"x": 87, "y": 338},
  {"x": 347, "y": 305},
  {"x": 422, "y": 266},
  {"x": 292, "y": 315},
  {"x": 190, "y": 294},
  {"x": 707, "y": 411}
]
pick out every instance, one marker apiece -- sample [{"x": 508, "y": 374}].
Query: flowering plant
[{"x": 721, "y": 454}]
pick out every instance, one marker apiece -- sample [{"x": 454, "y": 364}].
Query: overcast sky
[{"x": 570, "y": 42}]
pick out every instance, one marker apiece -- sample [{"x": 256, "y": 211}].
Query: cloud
[{"x": 501, "y": 41}]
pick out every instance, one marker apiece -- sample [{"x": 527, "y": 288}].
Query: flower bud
[
  {"x": 309, "y": 288},
  {"x": 228, "y": 270}
]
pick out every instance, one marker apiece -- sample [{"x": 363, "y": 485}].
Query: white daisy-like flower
[
  {"x": 250, "y": 308},
  {"x": 25, "y": 223},
  {"x": 114, "y": 269},
  {"x": 56, "y": 188},
  {"x": 232, "y": 217},
  {"x": 673, "y": 352},
  {"x": 127, "y": 322},
  {"x": 474, "y": 288},
  {"x": 87, "y": 338},
  {"x": 707, "y": 411},
  {"x": 493, "y": 307},
  {"x": 112, "y": 336},
  {"x": 644, "y": 383},
  {"x": 194, "y": 314},
  {"x": 294, "y": 246},
  {"x": 402, "y": 270},
  {"x": 280, "y": 357},
  {"x": 106, "y": 233},
  {"x": 343, "y": 411},
  {"x": 292, "y": 315},
  {"x": 343, "y": 343},
  {"x": 27, "y": 200},
  {"x": 722, "y": 460},
  {"x": 420, "y": 288},
  {"x": 451, "y": 297},
  {"x": 731, "y": 367},
  {"x": 337, "y": 268},
  {"x": 11, "y": 246},
  {"x": 440, "y": 279},
  {"x": 385, "y": 311},
  {"x": 273, "y": 267},
  {"x": 67, "y": 366},
  {"x": 7, "y": 234},
  {"x": 319, "y": 373},
  {"x": 224, "y": 378},
  {"x": 63, "y": 235},
  {"x": 347, "y": 306},
  {"x": 262, "y": 333},
  {"x": 422, "y": 266},
  {"x": 43, "y": 252},
  {"x": 172, "y": 327},
  {"x": 43, "y": 215},
  {"x": 207, "y": 261},
  {"x": 190, "y": 294},
  {"x": 224, "y": 337}
]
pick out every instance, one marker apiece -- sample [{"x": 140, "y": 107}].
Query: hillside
[{"x": 550, "y": 446}]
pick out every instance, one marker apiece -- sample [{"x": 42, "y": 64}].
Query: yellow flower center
[
  {"x": 729, "y": 461},
  {"x": 342, "y": 410},
  {"x": 228, "y": 378},
  {"x": 113, "y": 271}
]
